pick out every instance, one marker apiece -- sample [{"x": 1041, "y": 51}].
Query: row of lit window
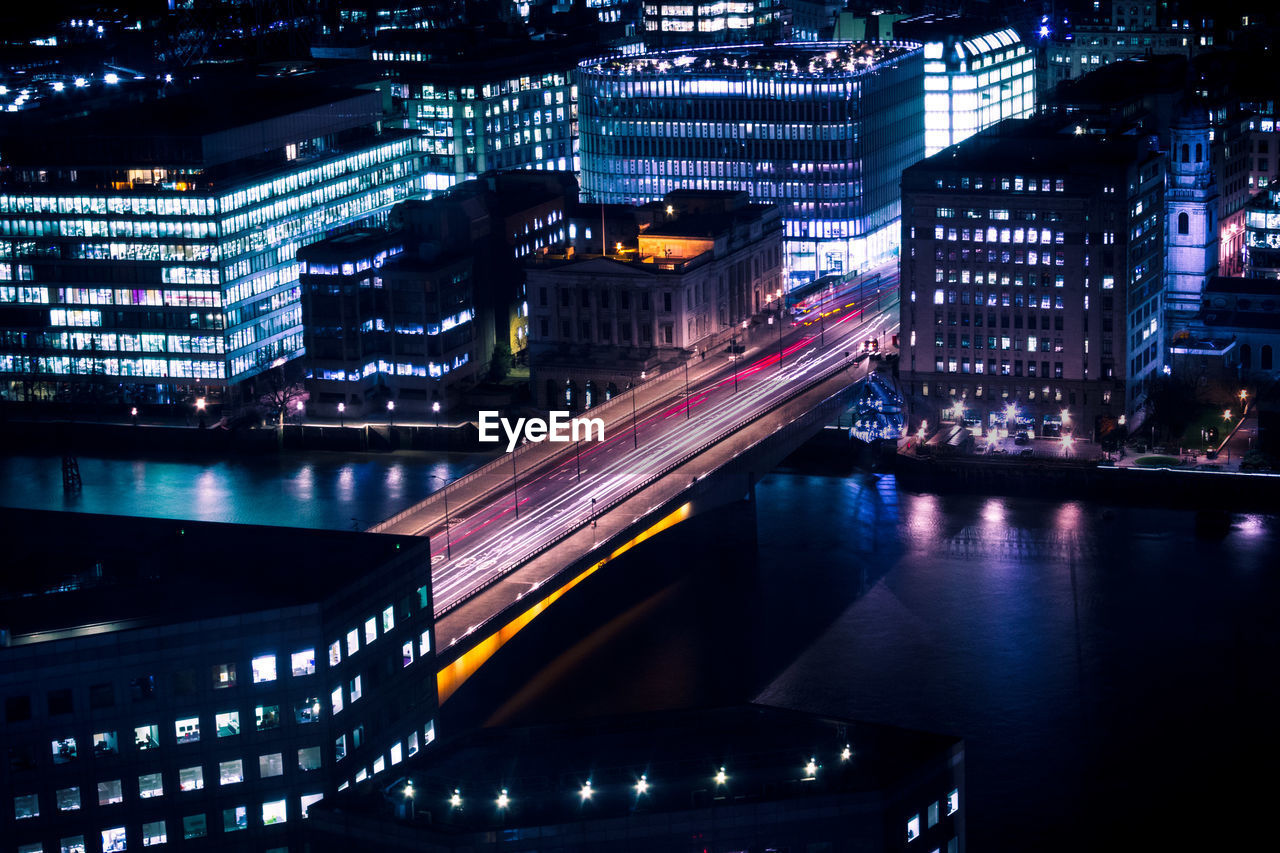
[
  {"x": 195, "y": 826},
  {"x": 138, "y": 205},
  {"x": 156, "y": 368}
]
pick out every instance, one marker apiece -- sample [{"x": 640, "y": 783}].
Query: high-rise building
[
  {"x": 668, "y": 23},
  {"x": 1191, "y": 199},
  {"x": 823, "y": 130},
  {"x": 691, "y": 269},
  {"x": 175, "y": 682},
  {"x": 976, "y": 74},
  {"x": 1033, "y": 278},
  {"x": 500, "y": 104},
  {"x": 147, "y": 253}
]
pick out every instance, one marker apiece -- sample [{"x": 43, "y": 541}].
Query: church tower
[{"x": 1191, "y": 202}]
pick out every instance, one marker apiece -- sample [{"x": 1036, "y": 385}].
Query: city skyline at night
[{"x": 728, "y": 426}]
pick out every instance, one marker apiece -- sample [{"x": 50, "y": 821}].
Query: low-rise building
[{"x": 693, "y": 268}]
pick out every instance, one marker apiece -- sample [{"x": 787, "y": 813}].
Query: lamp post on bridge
[{"x": 444, "y": 493}]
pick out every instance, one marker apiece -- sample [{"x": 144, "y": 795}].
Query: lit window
[
  {"x": 64, "y": 750},
  {"x": 270, "y": 765},
  {"x": 406, "y": 653},
  {"x": 153, "y": 833},
  {"x": 309, "y": 759},
  {"x": 307, "y": 711},
  {"x": 68, "y": 799},
  {"x": 306, "y": 801},
  {"x": 335, "y": 653},
  {"x": 370, "y": 630},
  {"x": 335, "y": 700},
  {"x": 424, "y": 643},
  {"x": 25, "y": 806},
  {"x": 235, "y": 818},
  {"x": 340, "y": 748},
  {"x": 146, "y": 737},
  {"x": 933, "y": 814},
  {"x": 104, "y": 743},
  {"x": 353, "y": 642},
  {"x": 273, "y": 812},
  {"x": 267, "y": 717},
  {"x": 356, "y": 692},
  {"x": 413, "y": 743},
  {"x": 194, "y": 826},
  {"x": 953, "y": 801},
  {"x": 110, "y": 792},
  {"x": 191, "y": 779},
  {"x": 397, "y": 753},
  {"x": 113, "y": 839},
  {"x": 230, "y": 772},
  {"x": 379, "y": 764},
  {"x": 264, "y": 669},
  {"x": 388, "y": 619},
  {"x": 188, "y": 730},
  {"x": 228, "y": 723},
  {"x": 224, "y": 675},
  {"x": 73, "y": 844},
  {"x": 304, "y": 662},
  {"x": 429, "y": 732},
  {"x": 150, "y": 785},
  {"x": 913, "y": 828}
]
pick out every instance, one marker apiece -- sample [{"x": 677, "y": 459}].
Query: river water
[
  {"x": 339, "y": 491},
  {"x": 1112, "y": 672}
]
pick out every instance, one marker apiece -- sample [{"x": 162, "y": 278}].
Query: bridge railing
[
  {"x": 535, "y": 455},
  {"x": 814, "y": 415}
]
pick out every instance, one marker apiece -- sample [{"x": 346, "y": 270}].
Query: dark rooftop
[
  {"x": 1252, "y": 286},
  {"x": 68, "y": 570},
  {"x": 1044, "y": 144},
  {"x": 764, "y": 752}
]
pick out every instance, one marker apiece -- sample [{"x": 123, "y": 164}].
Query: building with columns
[{"x": 693, "y": 268}]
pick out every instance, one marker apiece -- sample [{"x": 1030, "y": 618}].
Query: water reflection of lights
[
  {"x": 346, "y": 482},
  {"x": 306, "y": 481},
  {"x": 922, "y": 515},
  {"x": 1251, "y": 525},
  {"x": 993, "y": 511},
  {"x": 1067, "y": 516}
]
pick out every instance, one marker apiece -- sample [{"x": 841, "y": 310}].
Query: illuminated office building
[
  {"x": 974, "y": 77},
  {"x": 1033, "y": 279},
  {"x": 505, "y": 104},
  {"x": 1262, "y": 236},
  {"x": 203, "y": 685},
  {"x": 674, "y": 22},
  {"x": 823, "y": 130},
  {"x": 148, "y": 254}
]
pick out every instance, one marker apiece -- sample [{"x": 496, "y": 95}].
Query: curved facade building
[{"x": 822, "y": 129}]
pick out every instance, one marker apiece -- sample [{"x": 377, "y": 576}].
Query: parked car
[{"x": 1021, "y": 438}]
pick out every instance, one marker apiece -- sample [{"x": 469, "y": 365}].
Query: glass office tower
[
  {"x": 822, "y": 129},
  {"x": 149, "y": 255}
]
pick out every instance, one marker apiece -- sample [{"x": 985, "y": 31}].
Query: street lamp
[
  {"x": 688, "y": 404},
  {"x": 444, "y": 494},
  {"x": 342, "y": 414},
  {"x": 635, "y": 435},
  {"x": 1226, "y": 414},
  {"x": 435, "y": 407},
  {"x": 515, "y": 489},
  {"x": 200, "y": 404},
  {"x": 391, "y": 412}
]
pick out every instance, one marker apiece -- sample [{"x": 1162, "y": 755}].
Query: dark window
[
  {"x": 1246, "y": 357},
  {"x": 1266, "y": 357},
  {"x": 184, "y": 682},
  {"x": 586, "y": 298},
  {"x": 1186, "y": 155},
  {"x": 542, "y": 296},
  {"x": 17, "y": 708},
  {"x": 666, "y": 301},
  {"x": 564, "y": 298},
  {"x": 102, "y": 695},
  {"x": 1199, "y": 152},
  {"x": 1184, "y": 223},
  {"x": 60, "y": 702},
  {"x": 143, "y": 687}
]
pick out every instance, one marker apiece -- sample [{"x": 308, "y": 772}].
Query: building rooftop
[
  {"x": 206, "y": 123},
  {"x": 1043, "y": 144},
  {"x": 1251, "y": 286},
  {"x": 788, "y": 59},
  {"x": 766, "y": 755},
  {"x": 69, "y": 571}
]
